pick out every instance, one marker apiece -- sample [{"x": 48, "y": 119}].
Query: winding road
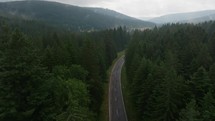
[{"x": 117, "y": 110}]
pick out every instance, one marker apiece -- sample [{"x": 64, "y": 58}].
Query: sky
[{"x": 145, "y": 8}]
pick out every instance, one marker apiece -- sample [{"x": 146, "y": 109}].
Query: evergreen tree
[
  {"x": 21, "y": 77},
  {"x": 91, "y": 63},
  {"x": 181, "y": 57},
  {"x": 212, "y": 75},
  {"x": 169, "y": 99},
  {"x": 190, "y": 113},
  {"x": 200, "y": 84},
  {"x": 76, "y": 104},
  {"x": 208, "y": 112}
]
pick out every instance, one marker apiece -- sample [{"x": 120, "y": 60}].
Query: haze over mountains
[
  {"x": 68, "y": 16},
  {"x": 190, "y": 17},
  {"x": 86, "y": 18}
]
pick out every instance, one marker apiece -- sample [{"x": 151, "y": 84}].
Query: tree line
[
  {"x": 171, "y": 71},
  {"x": 54, "y": 75}
]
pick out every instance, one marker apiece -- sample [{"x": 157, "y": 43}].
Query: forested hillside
[
  {"x": 54, "y": 75},
  {"x": 69, "y": 17},
  {"x": 189, "y": 17},
  {"x": 171, "y": 72}
]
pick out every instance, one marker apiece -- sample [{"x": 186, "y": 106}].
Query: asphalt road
[{"x": 117, "y": 110}]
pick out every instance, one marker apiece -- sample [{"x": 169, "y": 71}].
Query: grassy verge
[
  {"x": 104, "y": 116},
  {"x": 131, "y": 115},
  {"x": 104, "y": 107}
]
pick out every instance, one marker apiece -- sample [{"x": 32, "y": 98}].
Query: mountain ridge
[
  {"x": 70, "y": 16},
  {"x": 187, "y": 17}
]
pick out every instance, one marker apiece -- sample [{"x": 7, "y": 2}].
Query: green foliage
[
  {"x": 169, "y": 66},
  {"x": 212, "y": 75},
  {"x": 74, "y": 100},
  {"x": 72, "y": 18},
  {"x": 208, "y": 107},
  {"x": 21, "y": 77},
  {"x": 75, "y": 71},
  {"x": 190, "y": 113},
  {"x": 54, "y": 76},
  {"x": 200, "y": 84}
]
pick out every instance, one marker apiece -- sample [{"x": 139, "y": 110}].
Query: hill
[
  {"x": 210, "y": 17},
  {"x": 191, "y": 17},
  {"x": 69, "y": 16}
]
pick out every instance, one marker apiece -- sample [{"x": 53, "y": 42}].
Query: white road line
[
  {"x": 114, "y": 89},
  {"x": 122, "y": 94},
  {"x": 115, "y": 99},
  {"x": 117, "y": 112}
]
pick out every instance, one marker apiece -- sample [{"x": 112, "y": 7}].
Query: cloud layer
[{"x": 145, "y": 8}]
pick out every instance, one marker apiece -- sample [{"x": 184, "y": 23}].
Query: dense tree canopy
[
  {"x": 171, "y": 72},
  {"x": 54, "y": 75}
]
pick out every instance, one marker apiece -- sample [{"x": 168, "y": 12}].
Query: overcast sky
[{"x": 145, "y": 8}]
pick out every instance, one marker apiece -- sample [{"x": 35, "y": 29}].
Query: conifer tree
[
  {"x": 21, "y": 77},
  {"x": 190, "y": 113},
  {"x": 208, "y": 106}
]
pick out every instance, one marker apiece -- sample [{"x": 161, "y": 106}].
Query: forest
[
  {"x": 171, "y": 72},
  {"x": 68, "y": 17},
  {"x": 50, "y": 74}
]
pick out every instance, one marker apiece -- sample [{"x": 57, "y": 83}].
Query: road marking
[
  {"x": 114, "y": 85},
  {"x": 120, "y": 83},
  {"x": 117, "y": 112}
]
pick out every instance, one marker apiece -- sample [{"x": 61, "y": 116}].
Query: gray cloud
[
  {"x": 145, "y": 8},
  {"x": 18, "y": 0}
]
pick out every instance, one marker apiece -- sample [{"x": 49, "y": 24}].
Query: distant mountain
[
  {"x": 191, "y": 17},
  {"x": 69, "y": 16},
  {"x": 108, "y": 12},
  {"x": 210, "y": 17}
]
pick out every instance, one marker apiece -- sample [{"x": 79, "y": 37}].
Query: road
[{"x": 117, "y": 110}]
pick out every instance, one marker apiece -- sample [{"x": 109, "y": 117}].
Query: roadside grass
[
  {"x": 104, "y": 115},
  {"x": 131, "y": 113}
]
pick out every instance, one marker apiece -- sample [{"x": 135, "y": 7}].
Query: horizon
[{"x": 131, "y": 12}]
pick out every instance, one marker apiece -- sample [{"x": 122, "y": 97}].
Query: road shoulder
[
  {"x": 131, "y": 114},
  {"x": 104, "y": 115}
]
